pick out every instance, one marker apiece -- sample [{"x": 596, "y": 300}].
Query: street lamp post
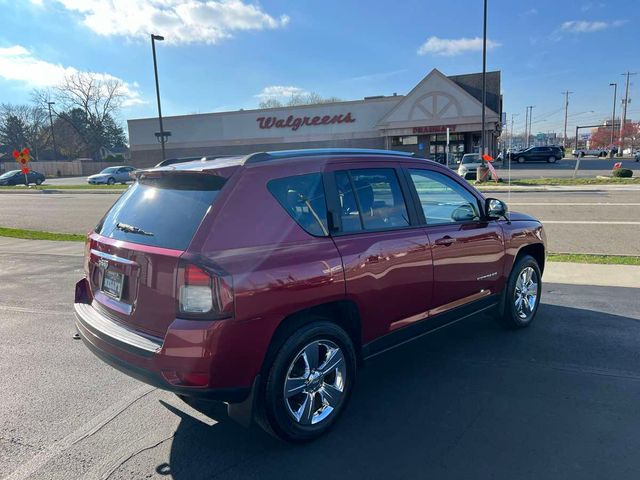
[
  {"x": 158, "y": 38},
  {"x": 613, "y": 115},
  {"x": 53, "y": 135},
  {"x": 484, "y": 80}
]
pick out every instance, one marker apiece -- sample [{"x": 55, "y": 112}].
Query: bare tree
[
  {"x": 311, "y": 98},
  {"x": 28, "y": 123},
  {"x": 97, "y": 95}
]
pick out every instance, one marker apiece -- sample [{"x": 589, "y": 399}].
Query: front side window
[
  {"x": 370, "y": 199},
  {"x": 302, "y": 196},
  {"x": 443, "y": 199}
]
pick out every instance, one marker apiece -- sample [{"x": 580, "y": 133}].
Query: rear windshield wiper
[{"x": 131, "y": 229}]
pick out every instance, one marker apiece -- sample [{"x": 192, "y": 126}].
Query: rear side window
[
  {"x": 370, "y": 199},
  {"x": 302, "y": 196},
  {"x": 163, "y": 211}
]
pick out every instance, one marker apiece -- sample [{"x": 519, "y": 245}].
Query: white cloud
[
  {"x": 280, "y": 91},
  {"x": 585, "y": 26},
  {"x": 179, "y": 21},
  {"x": 18, "y": 64},
  {"x": 454, "y": 46}
]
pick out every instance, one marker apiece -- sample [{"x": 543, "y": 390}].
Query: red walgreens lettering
[{"x": 294, "y": 123}]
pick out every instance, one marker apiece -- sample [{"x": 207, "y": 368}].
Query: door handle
[{"x": 446, "y": 241}]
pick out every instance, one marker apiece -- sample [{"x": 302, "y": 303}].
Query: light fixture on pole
[{"x": 154, "y": 39}]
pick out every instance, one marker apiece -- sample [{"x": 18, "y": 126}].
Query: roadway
[
  {"x": 599, "y": 221},
  {"x": 555, "y": 401},
  {"x": 589, "y": 167}
]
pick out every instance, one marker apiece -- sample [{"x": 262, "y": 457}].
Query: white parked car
[
  {"x": 111, "y": 175},
  {"x": 469, "y": 165},
  {"x": 590, "y": 152}
]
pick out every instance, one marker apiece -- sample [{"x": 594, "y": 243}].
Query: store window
[{"x": 404, "y": 140}]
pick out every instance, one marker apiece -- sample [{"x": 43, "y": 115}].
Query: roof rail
[{"x": 259, "y": 157}]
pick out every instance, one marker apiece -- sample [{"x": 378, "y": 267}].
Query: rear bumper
[{"x": 148, "y": 359}]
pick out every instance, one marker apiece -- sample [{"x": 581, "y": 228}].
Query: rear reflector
[{"x": 186, "y": 379}]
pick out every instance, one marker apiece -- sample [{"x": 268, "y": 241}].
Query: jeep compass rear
[{"x": 262, "y": 281}]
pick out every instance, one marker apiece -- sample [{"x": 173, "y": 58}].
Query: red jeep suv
[{"x": 263, "y": 281}]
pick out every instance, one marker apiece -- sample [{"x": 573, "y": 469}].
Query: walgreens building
[{"x": 416, "y": 122}]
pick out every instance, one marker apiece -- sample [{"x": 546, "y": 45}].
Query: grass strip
[
  {"x": 40, "y": 235},
  {"x": 563, "y": 181},
  {"x": 589, "y": 258}
]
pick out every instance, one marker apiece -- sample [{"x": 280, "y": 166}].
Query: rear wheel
[
  {"x": 38, "y": 182},
  {"x": 521, "y": 294},
  {"x": 309, "y": 383}
]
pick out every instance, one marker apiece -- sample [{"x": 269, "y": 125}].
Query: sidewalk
[
  {"x": 592, "y": 274},
  {"x": 19, "y": 246}
]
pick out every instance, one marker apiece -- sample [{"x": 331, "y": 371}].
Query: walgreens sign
[{"x": 294, "y": 123}]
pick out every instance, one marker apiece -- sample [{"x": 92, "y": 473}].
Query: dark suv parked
[
  {"x": 264, "y": 280},
  {"x": 538, "y": 154}
]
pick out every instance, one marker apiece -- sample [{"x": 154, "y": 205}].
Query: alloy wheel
[
  {"x": 315, "y": 382},
  {"x": 526, "y": 293}
]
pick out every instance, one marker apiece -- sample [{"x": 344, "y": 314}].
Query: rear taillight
[{"x": 204, "y": 294}]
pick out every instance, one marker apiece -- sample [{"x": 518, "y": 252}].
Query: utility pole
[
  {"x": 528, "y": 120},
  {"x": 511, "y": 135},
  {"x": 53, "y": 135},
  {"x": 623, "y": 119},
  {"x": 526, "y": 126},
  {"x": 613, "y": 115},
  {"x": 566, "y": 111}
]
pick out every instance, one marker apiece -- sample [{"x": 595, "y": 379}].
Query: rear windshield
[{"x": 163, "y": 211}]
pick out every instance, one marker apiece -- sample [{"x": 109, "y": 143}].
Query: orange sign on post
[{"x": 22, "y": 158}]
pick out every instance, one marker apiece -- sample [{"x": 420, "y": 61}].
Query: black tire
[
  {"x": 508, "y": 313},
  {"x": 111, "y": 181},
  {"x": 551, "y": 159},
  {"x": 38, "y": 182},
  {"x": 275, "y": 413},
  {"x": 520, "y": 159},
  {"x": 581, "y": 154}
]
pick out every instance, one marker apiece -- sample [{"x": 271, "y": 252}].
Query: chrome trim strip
[{"x": 111, "y": 257}]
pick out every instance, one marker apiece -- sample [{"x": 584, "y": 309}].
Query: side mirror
[
  {"x": 464, "y": 213},
  {"x": 495, "y": 208}
]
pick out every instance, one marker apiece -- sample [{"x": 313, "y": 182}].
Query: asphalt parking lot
[
  {"x": 575, "y": 221},
  {"x": 555, "y": 401}
]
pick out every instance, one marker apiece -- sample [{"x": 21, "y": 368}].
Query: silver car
[
  {"x": 111, "y": 175},
  {"x": 469, "y": 165}
]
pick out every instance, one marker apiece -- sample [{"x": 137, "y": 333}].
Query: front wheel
[
  {"x": 520, "y": 159},
  {"x": 309, "y": 382},
  {"x": 521, "y": 294},
  {"x": 551, "y": 159},
  {"x": 111, "y": 181}
]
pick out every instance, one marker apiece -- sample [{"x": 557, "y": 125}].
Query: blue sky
[{"x": 228, "y": 54}]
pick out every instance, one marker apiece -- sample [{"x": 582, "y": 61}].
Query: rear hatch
[{"x": 134, "y": 252}]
